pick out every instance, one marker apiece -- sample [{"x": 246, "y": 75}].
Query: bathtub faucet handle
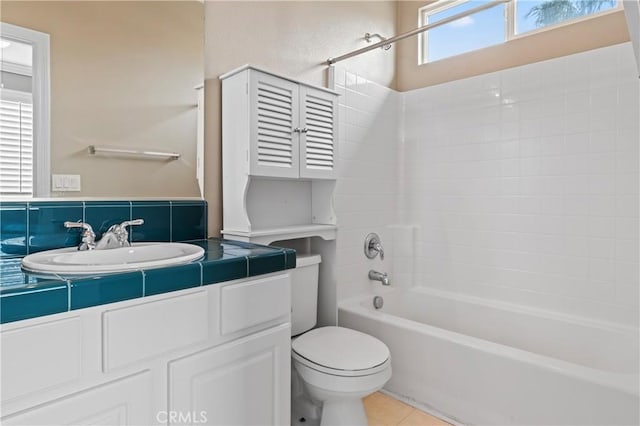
[
  {"x": 378, "y": 247},
  {"x": 373, "y": 247}
]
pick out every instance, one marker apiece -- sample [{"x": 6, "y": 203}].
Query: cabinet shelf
[{"x": 269, "y": 235}]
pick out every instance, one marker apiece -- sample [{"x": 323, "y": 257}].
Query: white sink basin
[{"x": 70, "y": 261}]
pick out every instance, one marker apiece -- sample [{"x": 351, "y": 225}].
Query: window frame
[
  {"x": 510, "y": 18},
  {"x": 41, "y": 97}
]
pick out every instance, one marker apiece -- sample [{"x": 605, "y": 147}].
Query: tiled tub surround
[
  {"x": 365, "y": 198},
  {"x": 516, "y": 191},
  {"x": 24, "y": 295},
  {"x": 524, "y": 184},
  {"x": 29, "y": 227}
]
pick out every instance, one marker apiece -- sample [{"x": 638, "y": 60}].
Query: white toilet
[{"x": 333, "y": 367}]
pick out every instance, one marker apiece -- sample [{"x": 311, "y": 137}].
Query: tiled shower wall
[
  {"x": 524, "y": 184},
  {"x": 365, "y": 197}
]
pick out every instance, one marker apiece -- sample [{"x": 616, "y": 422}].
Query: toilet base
[
  {"x": 337, "y": 399},
  {"x": 344, "y": 412},
  {"x": 304, "y": 412}
]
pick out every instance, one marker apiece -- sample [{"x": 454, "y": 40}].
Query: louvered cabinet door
[
  {"x": 274, "y": 104},
  {"x": 318, "y": 141}
]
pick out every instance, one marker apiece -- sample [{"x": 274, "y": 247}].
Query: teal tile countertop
[{"x": 24, "y": 295}]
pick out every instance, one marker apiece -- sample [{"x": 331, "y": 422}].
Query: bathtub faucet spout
[{"x": 383, "y": 277}]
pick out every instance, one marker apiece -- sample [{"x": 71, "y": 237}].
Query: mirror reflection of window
[
  {"x": 24, "y": 112},
  {"x": 16, "y": 118}
]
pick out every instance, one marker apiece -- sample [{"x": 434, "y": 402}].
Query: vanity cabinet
[
  {"x": 124, "y": 402},
  {"x": 279, "y": 157},
  {"x": 277, "y": 127},
  {"x": 241, "y": 383},
  {"x": 216, "y": 354}
]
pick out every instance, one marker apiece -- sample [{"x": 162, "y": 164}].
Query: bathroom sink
[{"x": 70, "y": 261}]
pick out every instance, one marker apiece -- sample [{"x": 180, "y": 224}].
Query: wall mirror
[{"x": 124, "y": 75}]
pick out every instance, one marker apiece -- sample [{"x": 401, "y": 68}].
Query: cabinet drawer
[
  {"x": 144, "y": 331},
  {"x": 40, "y": 357},
  {"x": 255, "y": 302}
]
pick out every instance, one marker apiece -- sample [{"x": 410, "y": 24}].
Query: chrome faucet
[
  {"x": 383, "y": 277},
  {"x": 116, "y": 236},
  {"x": 373, "y": 247},
  {"x": 88, "y": 236}
]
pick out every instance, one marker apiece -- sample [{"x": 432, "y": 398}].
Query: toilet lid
[{"x": 341, "y": 348}]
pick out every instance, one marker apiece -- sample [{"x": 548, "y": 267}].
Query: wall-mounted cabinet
[{"x": 279, "y": 152}]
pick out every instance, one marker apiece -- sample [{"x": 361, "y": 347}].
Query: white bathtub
[{"x": 482, "y": 362}]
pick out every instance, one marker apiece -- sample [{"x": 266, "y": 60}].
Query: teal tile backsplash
[
  {"x": 156, "y": 215},
  {"x": 46, "y": 225},
  {"x": 35, "y": 226},
  {"x": 101, "y": 215},
  {"x": 13, "y": 229}
]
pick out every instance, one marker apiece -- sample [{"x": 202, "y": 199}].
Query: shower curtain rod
[{"x": 415, "y": 31}]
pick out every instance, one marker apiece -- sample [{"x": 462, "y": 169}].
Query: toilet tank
[{"x": 304, "y": 293}]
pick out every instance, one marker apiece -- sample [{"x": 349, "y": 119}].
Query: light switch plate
[{"x": 65, "y": 183}]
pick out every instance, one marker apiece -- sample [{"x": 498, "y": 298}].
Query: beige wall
[
  {"x": 578, "y": 37},
  {"x": 291, "y": 38},
  {"x": 122, "y": 73}
]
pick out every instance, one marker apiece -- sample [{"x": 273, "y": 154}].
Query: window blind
[{"x": 16, "y": 148}]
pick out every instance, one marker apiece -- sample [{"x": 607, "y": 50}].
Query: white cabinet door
[
  {"x": 274, "y": 137},
  {"x": 245, "y": 382},
  {"x": 123, "y": 402},
  {"x": 318, "y": 147},
  {"x": 40, "y": 357}
]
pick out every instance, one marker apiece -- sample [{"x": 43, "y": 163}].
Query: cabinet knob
[
  {"x": 297, "y": 130},
  {"x": 304, "y": 130}
]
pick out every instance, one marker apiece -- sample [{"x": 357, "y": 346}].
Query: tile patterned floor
[{"x": 383, "y": 410}]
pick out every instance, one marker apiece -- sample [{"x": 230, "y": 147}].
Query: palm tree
[{"x": 554, "y": 11}]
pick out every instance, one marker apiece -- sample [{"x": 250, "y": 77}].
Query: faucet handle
[
  {"x": 132, "y": 222},
  {"x": 88, "y": 236},
  {"x": 378, "y": 247},
  {"x": 121, "y": 233},
  {"x": 373, "y": 247},
  {"x": 79, "y": 224}
]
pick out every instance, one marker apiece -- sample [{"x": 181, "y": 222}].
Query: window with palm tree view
[{"x": 497, "y": 24}]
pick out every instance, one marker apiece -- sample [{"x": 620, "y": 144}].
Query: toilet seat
[{"x": 340, "y": 351}]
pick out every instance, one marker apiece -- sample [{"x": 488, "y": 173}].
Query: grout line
[
  {"x": 422, "y": 407},
  {"x": 170, "y": 221},
  {"x": 408, "y": 414},
  {"x": 27, "y": 227},
  {"x": 68, "y": 295}
]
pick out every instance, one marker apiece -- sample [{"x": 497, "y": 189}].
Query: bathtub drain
[{"x": 378, "y": 301}]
